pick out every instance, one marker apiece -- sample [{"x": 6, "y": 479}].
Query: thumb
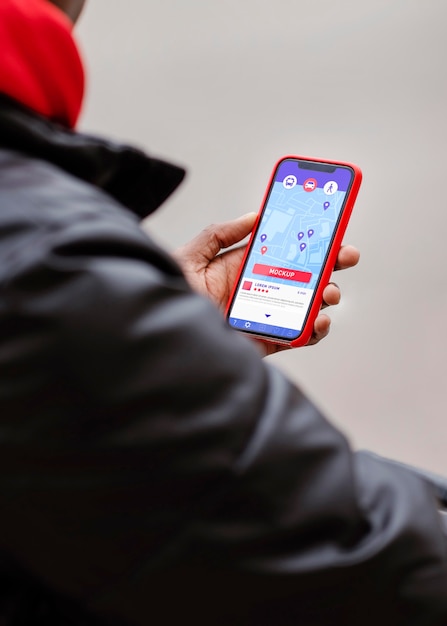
[
  {"x": 230, "y": 233},
  {"x": 216, "y": 237}
]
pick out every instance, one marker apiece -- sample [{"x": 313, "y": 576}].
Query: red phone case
[{"x": 332, "y": 253}]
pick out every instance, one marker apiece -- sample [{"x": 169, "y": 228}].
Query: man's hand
[{"x": 212, "y": 272}]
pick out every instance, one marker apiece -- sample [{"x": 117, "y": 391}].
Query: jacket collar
[{"x": 136, "y": 180}]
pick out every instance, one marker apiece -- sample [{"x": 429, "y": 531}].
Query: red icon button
[
  {"x": 282, "y": 272},
  {"x": 310, "y": 184}
]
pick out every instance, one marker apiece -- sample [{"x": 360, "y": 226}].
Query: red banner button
[{"x": 282, "y": 272}]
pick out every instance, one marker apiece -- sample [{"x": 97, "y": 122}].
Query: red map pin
[{"x": 264, "y": 249}]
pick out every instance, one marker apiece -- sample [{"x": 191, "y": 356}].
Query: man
[{"x": 155, "y": 469}]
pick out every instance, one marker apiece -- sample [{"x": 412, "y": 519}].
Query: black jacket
[{"x": 153, "y": 468}]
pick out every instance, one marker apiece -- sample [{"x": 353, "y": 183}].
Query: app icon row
[{"x": 310, "y": 184}]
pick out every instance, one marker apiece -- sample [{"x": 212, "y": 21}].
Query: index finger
[{"x": 348, "y": 256}]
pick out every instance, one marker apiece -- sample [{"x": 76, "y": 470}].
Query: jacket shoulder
[{"x": 44, "y": 208}]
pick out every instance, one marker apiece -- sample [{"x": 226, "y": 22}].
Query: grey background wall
[{"x": 228, "y": 87}]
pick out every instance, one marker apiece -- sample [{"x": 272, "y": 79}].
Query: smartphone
[{"x": 293, "y": 249}]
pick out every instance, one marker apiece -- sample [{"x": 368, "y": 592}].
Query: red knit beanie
[{"x": 40, "y": 66}]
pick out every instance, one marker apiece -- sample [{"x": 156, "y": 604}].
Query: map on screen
[{"x": 295, "y": 231}]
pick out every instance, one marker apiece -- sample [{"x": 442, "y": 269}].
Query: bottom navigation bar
[{"x": 264, "y": 329}]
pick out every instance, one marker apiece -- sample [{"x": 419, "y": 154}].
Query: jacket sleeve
[{"x": 163, "y": 469}]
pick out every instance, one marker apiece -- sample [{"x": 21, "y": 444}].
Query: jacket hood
[
  {"x": 139, "y": 182},
  {"x": 40, "y": 63}
]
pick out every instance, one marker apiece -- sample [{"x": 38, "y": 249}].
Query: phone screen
[{"x": 289, "y": 248}]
